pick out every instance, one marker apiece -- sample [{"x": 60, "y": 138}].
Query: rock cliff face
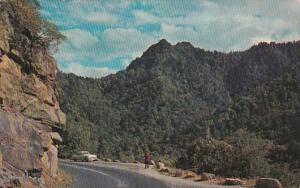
[{"x": 29, "y": 113}]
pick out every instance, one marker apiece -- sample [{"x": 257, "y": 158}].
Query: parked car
[{"x": 84, "y": 156}]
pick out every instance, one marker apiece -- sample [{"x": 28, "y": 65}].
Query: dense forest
[{"x": 174, "y": 95}]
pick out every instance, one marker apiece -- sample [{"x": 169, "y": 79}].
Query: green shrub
[
  {"x": 207, "y": 155},
  {"x": 249, "y": 157},
  {"x": 242, "y": 155}
]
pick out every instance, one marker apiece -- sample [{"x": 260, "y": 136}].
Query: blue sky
[{"x": 105, "y": 36}]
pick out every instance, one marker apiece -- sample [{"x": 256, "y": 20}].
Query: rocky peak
[
  {"x": 162, "y": 46},
  {"x": 163, "y": 42},
  {"x": 154, "y": 55},
  {"x": 159, "y": 53}
]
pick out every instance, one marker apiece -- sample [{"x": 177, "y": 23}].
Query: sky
[{"x": 104, "y": 36}]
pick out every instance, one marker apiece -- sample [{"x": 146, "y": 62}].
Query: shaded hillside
[{"x": 173, "y": 95}]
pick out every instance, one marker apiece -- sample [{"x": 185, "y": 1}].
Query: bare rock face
[{"x": 29, "y": 113}]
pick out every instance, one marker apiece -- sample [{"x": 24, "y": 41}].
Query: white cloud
[
  {"x": 113, "y": 5},
  {"x": 92, "y": 12},
  {"x": 80, "y": 38},
  {"x": 126, "y": 42},
  {"x": 142, "y": 17},
  {"x": 100, "y": 17},
  {"x": 225, "y": 26},
  {"x": 95, "y": 72},
  {"x": 175, "y": 33}
]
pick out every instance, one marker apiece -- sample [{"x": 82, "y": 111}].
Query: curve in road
[{"x": 90, "y": 176}]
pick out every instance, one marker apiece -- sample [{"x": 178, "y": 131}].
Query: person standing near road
[{"x": 147, "y": 160}]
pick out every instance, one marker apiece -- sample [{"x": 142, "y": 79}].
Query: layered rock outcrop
[{"x": 29, "y": 112}]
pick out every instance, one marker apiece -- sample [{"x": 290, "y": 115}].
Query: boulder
[
  {"x": 56, "y": 137},
  {"x": 190, "y": 175},
  {"x": 83, "y": 152},
  {"x": 116, "y": 161},
  {"x": 207, "y": 176},
  {"x": 198, "y": 179},
  {"x": 107, "y": 160},
  {"x": 268, "y": 183},
  {"x": 166, "y": 170},
  {"x": 233, "y": 181},
  {"x": 160, "y": 165}
]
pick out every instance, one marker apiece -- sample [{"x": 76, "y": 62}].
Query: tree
[{"x": 29, "y": 24}]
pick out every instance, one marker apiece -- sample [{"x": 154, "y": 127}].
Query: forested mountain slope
[{"x": 174, "y": 94}]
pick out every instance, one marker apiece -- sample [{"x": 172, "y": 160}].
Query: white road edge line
[
  {"x": 87, "y": 169},
  {"x": 120, "y": 183}
]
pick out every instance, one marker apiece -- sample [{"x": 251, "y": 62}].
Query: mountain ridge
[
  {"x": 169, "y": 97},
  {"x": 164, "y": 43}
]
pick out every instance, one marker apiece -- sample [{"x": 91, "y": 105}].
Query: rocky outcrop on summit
[{"x": 29, "y": 112}]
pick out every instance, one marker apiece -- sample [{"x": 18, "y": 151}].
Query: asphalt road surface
[
  {"x": 114, "y": 175},
  {"x": 91, "y": 176}
]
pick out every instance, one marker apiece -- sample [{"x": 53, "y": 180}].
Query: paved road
[
  {"x": 106, "y": 175},
  {"x": 91, "y": 176}
]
